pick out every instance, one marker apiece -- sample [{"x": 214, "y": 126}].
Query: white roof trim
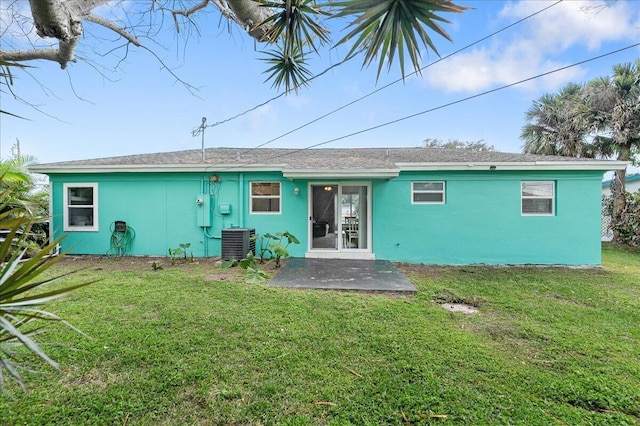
[
  {"x": 518, "y": 165},
  {"x": 151, "y": 168},
  {"x": 603, "y": 165},
  {"x": 341, "y": 173}
]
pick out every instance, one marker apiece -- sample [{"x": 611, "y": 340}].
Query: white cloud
[
  {"x": 544, "y": 43},
  {"x": 297, "y": 101},
  {"x": 260, "y": 116}
]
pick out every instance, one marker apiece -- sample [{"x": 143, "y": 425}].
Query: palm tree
[
  {"x": 25, "y": 198},
  {"x": 554, "y": 125},
  {"x": 612, "y": 113},
  {"x": 22, "y": 199}
]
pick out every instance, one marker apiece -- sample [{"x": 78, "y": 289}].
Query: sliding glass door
[{"x": 339, "y": 218}]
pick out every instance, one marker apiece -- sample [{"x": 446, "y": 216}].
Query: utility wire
[
  {"x": 402, "y": 78},
  {"x": 315, "y": 120},
  {"x": 375, "y": 91},
  {"x": 226, "y": 120},
  {"x": 477, "y": 95}
]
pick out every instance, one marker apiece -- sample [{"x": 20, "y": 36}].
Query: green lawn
[{"x": 191, "y": 345}]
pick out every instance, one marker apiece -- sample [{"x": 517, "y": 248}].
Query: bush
[{"x": 627, "y": 229}]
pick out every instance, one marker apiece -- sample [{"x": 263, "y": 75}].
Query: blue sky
[{"x": 144, "y": 110}]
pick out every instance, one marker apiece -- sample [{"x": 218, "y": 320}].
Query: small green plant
[
  {"x": 180, "y": 253},
  {"x": 254, "y": 274},
  {"x": 263, "y": 249},
  {"x": 156, "y": 266},
  {"x": 228, "y": 264},
  {"x": 269, "y": 247},
  {"x": 279, "y": 249},
  {"x": 274, "y": 247}
]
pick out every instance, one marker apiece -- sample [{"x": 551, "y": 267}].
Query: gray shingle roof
[{"x": 305, "y": 159}]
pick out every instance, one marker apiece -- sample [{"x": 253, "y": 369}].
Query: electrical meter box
[
  {"x": 203, "y": 210},
  {"x": 225, "y": 208}
]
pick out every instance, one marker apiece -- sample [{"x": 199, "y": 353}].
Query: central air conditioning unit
[{"x": 237, "y": 242}]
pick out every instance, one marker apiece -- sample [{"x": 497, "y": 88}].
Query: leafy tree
[
  {"x": 612, "y": 113},
  {"x": 480, "y": 146},
  {"x": 554, "y": 125},
  {"x": 598, "y": 120},
  {"x": 380, "y": 29},
  {"x": 23, "y": 199},
  {"x": 627, "y": 227}
]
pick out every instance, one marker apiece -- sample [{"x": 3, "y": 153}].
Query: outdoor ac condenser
[{"x": 237, "y": 242}]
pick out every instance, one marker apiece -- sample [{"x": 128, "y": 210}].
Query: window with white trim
[
  {"x": 427, "y": 192},
  {"x": 265, "y": 197},
  {"x": 538, "y": 198},
  {"x": 80, "y": 206}
]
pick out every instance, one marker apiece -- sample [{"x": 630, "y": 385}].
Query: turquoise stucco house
[{"x": 414, "y": 205}]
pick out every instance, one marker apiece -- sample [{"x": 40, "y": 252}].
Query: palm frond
[
  {"x": 287, "y": 70},
  {"x": 386, "y": 27},
  {"x": 6, "y": 77},
  {"x": 295, "y": 24},
  {"x": 22, "y": 297}
]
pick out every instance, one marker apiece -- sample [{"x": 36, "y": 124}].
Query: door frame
[{"x": 340, "y": 252}]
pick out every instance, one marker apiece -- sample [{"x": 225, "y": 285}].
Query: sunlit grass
[{"x": 549, "y": 346}]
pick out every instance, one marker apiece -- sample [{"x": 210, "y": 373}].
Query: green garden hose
[{"x": 121, "y": 240}]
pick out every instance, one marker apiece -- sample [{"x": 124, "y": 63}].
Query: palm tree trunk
[{"x": 618, "y": 191}]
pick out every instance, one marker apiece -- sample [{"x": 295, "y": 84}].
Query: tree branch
[
  {"x": 31, "y": 55},
  {"x": 187, "y": 13},
  {"x": 113, "y": 27},
  {"x": 248, "y": 14}
]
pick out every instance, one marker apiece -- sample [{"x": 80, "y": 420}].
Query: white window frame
[
  {"x": 65, "y": 200},
  {"x": 538, "y": 197},
  {"x": 443, "y": 191},
  {"x": 254, "y": 197}
]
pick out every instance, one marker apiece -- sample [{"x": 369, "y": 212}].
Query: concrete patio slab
[{"x": 342, "y": 274}]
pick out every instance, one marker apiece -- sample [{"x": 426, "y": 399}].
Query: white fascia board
[
  {"x": 341, "y": 174},
  {"x": 155, "y": 168},
  {"x": 603, "y": 165}
]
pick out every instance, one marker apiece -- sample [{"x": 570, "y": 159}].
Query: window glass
[
  {"x": 538, "y": 197},
  {"x": 428, "y": 186},
  {"x": 265, "y": 188},
  {"x": 428, "y": 192},
  {"x": 80, "y": 216},
  {"x": 80, "y": 207},
  {"x": 80, "y": 196},
  {"x": 265, "y": 197},
  {"x": 427, "y": 197}
]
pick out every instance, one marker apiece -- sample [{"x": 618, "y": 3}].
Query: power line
[
  {"x": 377, "y": 90},
  {"x": 477, "y": 95},
  {"x": 402, "y": 78},
  {"x": 226, "y": 120}
]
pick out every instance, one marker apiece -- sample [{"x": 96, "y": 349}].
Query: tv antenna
[{"x": 200, "y": 131}]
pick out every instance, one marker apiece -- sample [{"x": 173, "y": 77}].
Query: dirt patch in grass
[
  {"x": 211, "y": 266},
  {"x": 565, "y": 300},
  {"x": 96, "y": 377},
  {"x": 133, "y": 263},
  {"x": 447, "y": 297}
]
